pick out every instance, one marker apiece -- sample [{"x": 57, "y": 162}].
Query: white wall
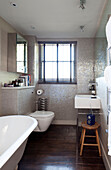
[{"x": 102, "y": 93}]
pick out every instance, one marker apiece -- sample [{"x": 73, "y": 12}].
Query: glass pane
[
  {"x": 73, "y": 52},
  {"x": 26, "y": 62},
  {"x": 42, "y": 70},
  {"x": 42, "y": 52},
  {"x": 20, "y": 67},
  {"x": 50, "y": 52},
  {"x": 26, "y": 53},
  {"x": 64, "y": 52},
  {"x": 25, "y": 67},
  {"x": 51, "y": 70},
  {"x": 20, "y": 52},
  {"x": 64, "y": 70},
  {"x": 72, "y": 71}
]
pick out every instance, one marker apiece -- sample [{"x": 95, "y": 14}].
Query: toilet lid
[{"x": 42, "y": 114}]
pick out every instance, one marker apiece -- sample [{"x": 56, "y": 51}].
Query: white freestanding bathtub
[{"x": 14, "y": 131}]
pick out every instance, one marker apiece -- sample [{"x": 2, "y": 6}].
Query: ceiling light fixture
[
  {"x": 82, "y": 28},
  {"x": 32, "y": 27},
  {"x": 13, "y": 4},
  {"x": 82, "y": 4}
]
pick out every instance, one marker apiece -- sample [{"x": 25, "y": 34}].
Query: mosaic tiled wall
[
  {"x": 85, "y": 64},
  {"x": 100, "y": 56},
  {"x": 15, "y": 101},
  {"x": 61, "y": 97}
]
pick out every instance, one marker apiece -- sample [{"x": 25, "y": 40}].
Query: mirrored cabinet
[{"x": 17, "y": 53}]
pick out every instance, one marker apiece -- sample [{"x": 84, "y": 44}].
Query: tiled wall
[
  {"x": 61, "y": 97},
  {"x": 100, "y": 56},
  {"x": 18, "y": 101},
  {"x": 85, "y": 64},
  {"x": 60, "y": 101}
]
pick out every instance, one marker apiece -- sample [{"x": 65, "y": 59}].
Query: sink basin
[{"x": 86, "y": 102}]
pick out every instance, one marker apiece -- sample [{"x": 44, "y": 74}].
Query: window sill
[{"x": 70, "y": 83}]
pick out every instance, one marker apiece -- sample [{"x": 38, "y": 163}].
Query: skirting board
[
  {"x": 64, "y": 122},
  {"x": 105, "y": 157}
]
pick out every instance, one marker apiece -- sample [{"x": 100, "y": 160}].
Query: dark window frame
[{"x": 72, "y": 80}]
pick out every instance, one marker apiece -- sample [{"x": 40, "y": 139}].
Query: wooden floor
[{"x": 58, "y": 149}]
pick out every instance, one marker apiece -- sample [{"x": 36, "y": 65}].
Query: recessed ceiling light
[{"x": 13, "y": 4}]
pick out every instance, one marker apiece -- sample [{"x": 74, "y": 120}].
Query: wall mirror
[
  {"x": 17, "y": 53},
  {"x": 21, "y": 54}
]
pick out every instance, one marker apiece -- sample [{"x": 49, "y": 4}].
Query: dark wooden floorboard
[{"x": 58, "y": 149}]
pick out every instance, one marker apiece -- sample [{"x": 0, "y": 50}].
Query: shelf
[{"x": 17, "y": 88}]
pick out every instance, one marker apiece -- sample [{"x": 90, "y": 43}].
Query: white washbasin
[{"x": 86, "y": 102}]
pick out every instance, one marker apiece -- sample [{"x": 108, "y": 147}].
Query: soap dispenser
[
  {"x": 93, "y": 90},
  {"x": 92, "y": 87}
]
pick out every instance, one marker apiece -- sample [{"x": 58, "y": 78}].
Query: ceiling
[{"x": 53, "y": 18}]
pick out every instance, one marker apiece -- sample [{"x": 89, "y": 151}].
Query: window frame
[{"x": 44, "y": 81}]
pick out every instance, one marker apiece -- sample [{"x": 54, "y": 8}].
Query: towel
[
  {"x": 109, "y": 134},
  {"x": 107, "y": 76},
  {"x": 108, "y": 32}
]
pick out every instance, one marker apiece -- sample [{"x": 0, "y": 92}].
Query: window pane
[
  {"x": 20, "y": 52},
  {"x": 51, "y": 70},
  {"x": 64, "y": 59},
  {"x": 73, "y": 51},
  {"x": 51, "y": 52},
  {"x": 64, "y": 52},
  {"x": 72, "y": 70},
  {"x": 25, "y": 67},
  {"x": 26, "y": 53},
  {"x": 20, "y": 67},
  {"x": 42, "y": 70},
  {"x": 42, "y": 52},
  {"x": 64, "y": 70}
]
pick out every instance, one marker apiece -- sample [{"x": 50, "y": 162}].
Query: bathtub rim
[{"x": 12, "y": 149}]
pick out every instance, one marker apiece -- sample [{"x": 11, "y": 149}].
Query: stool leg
[
  {"x": 97, "y": 139},
  {"x": 83, "y": 136}
]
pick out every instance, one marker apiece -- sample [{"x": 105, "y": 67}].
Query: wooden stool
[{"x": 95, "y": 127}]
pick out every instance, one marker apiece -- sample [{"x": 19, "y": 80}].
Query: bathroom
[{"x": 91, "y": 60}]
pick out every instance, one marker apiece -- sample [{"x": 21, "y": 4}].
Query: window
[
  {"x": 21, "y": 57},
  {"x": 57, "y": 62}
]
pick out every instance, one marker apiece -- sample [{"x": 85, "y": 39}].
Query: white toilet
[{"x": 44, "y": 119}]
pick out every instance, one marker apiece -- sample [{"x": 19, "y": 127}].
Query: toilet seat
[{"x": 42, "y": 114}]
